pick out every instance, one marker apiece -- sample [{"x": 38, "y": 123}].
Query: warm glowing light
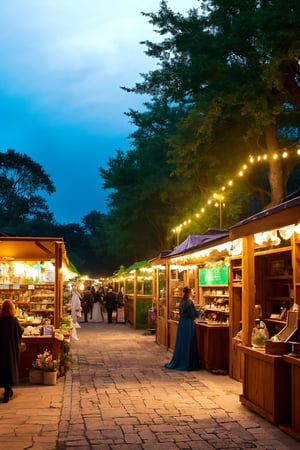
[{"x": 252, "y": 159}]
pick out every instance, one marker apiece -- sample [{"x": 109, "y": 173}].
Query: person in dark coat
[
  {"x": 10, "y": 339},
  {"x": 87, "y": 303},
  {"x": 110, "y": 304},
  {"x": 185, "y": 356}
]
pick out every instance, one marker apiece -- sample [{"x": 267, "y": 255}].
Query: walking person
[
  {"x": 97, "y": 311},
  {"x": 185, "y": 356},
  {"x": 110, "y": 303},
  {"x": 10, "y": 340},
  {"x": 75, "y": 312},
  {"x": 87, "y": 303}
]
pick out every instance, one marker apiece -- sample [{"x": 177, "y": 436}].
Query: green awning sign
[{"x": 213, "y": 275}]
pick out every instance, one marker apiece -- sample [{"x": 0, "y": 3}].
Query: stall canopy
[
  {"x": 137, "y": 265},
  {"x": 18, "y": 248},
  {"x": 194, "y": 241},
  {"x": 286, "y": 213}
]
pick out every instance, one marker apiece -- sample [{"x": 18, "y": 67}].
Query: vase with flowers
[{"x": 48, "y": 366}]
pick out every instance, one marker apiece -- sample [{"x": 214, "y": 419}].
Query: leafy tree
[
  {"x": 145, "y": 196},
  {"x": 21, "y": 182},
  {"x": 236, "y": 66}
]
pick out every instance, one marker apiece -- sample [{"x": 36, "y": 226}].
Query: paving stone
[{"x": 118, "y": 395}]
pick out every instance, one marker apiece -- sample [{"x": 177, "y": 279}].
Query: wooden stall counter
[
  {"x": 294, "y": 428},
  {"x": 213, "y": 347},
  {"x": 266, "y": 385},
  {"x": 36, "y": 345},
  {"x": 172, "y": 325}
]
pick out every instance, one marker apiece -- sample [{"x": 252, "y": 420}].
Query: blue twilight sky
[{"x": 61, "y": 67}]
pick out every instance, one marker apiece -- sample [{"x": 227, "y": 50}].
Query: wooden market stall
[
  {"x": 265, "y": 284},
  {"x": 160, "y": 297},
  {"x": 201, "y": 262},
  {"x": 137, "y": 283},
  {"x": 31, "y": 275}
]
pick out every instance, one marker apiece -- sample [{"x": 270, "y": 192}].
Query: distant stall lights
[{"x": 219, "y": 196}]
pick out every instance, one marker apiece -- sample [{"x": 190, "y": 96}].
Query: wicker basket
[{"x": 277, "y": 348}]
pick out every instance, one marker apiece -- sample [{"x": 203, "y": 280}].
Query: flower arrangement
[{"x": 45, "y": 362}]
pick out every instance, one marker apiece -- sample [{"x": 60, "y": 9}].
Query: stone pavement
[{"x": 118, "y": 395}]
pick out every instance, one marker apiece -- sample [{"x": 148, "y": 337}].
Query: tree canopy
[
  {"x": 22, "y": 181},
  {"x": 225, "y": 86}
]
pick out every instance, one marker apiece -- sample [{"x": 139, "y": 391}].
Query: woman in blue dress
[{"x": 185, "y": 356}]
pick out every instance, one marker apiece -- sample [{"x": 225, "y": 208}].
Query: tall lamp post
[
  {"x": 219, "y": 203},
  {"x": 177, "y": 230}
]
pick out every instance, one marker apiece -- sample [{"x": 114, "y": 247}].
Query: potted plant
[{"x": 48, "y": 366}]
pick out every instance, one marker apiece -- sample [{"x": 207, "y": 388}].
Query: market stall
[
  {"x": 32, "y": 271},
  {"x": 137, "y": 283},
  {"x": 265, "y": 285},
  {"x": 201, "y": 262}
]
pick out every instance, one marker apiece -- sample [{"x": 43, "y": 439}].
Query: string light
[{"x": 230, "y": 183}]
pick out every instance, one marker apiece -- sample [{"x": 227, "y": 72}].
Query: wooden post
[
  {"x": 58, "y": 284},
  {"x": 248, "y": 289},
  {"x": 134, "y": 298}
]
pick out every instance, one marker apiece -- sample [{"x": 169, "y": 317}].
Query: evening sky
[{"x": 61, "y": 67}]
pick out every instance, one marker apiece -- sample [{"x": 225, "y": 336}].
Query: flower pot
[
  {"x": 50, "y": 378},
  {"x": 36, "y": 376}
]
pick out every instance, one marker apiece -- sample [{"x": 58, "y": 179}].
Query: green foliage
[
  {"x": 21, "y": 182},
  {"x": 226, "y": 85}
]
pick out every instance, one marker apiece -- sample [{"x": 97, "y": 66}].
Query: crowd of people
[{"x": 92, "y": 305}]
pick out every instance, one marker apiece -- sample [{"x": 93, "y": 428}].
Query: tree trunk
[{"x": 275, "y": 167}]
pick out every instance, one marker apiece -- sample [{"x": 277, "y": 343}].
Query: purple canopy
[{"x": 197, "y": 240}]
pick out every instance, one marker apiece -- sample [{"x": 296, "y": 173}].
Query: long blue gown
[{"x": 185, "y": 356}]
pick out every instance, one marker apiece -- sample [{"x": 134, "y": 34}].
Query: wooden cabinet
[
  {"x": 33, "y": 303},
  {"x": 215, "y": 301},
  {"x": 213, "y": 347},
  {"x": 294, "y": 428},
  {"x": 36, "y": 345},
  {"x": 267, "y": 385},
  {"x": 274, "y": 283}
]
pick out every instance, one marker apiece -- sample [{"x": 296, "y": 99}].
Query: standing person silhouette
[
  {"x": 110, "y": 303},
  {"x": 87, "y": 302},
  {"x": 185, "y": 356},
  {"x": 10, "y": 339}
]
